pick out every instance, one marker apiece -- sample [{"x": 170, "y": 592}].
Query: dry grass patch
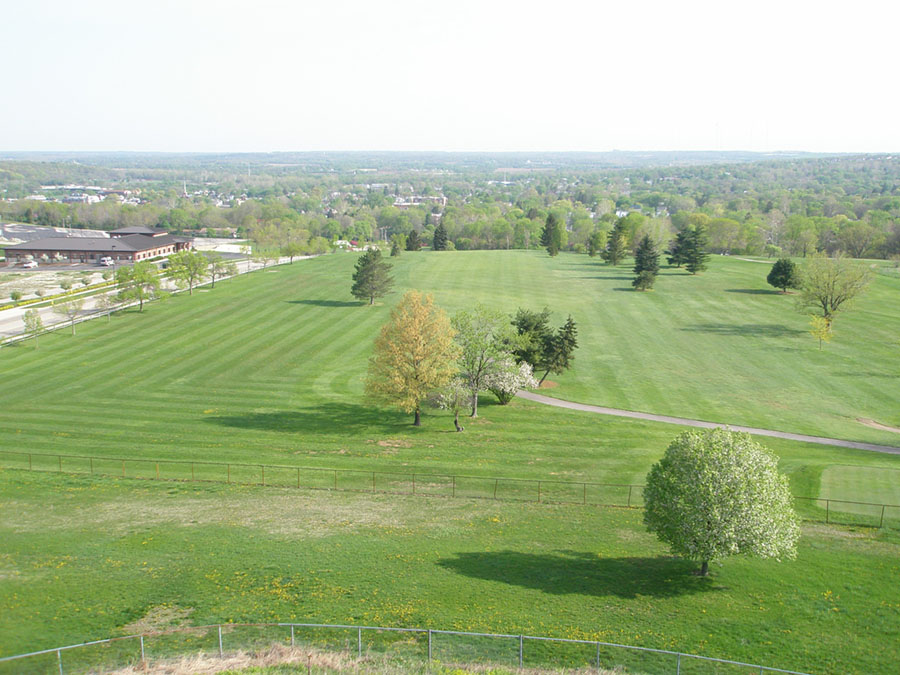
[{"x": 159, "y": 618}]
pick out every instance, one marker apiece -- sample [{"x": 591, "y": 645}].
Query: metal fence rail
[
  {"x": 425, "y": 644},
  {"x": 500, "y": 488}
]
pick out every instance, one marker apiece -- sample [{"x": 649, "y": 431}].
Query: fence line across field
[
  {"x": 470, "y": 648},
  {"x": 500, "y": 488}
]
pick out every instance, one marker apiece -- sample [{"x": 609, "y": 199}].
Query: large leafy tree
[
  {"x": 596, "y": 242},
  {"x": 217, "y": 266},
  {"x": 139, "y": 282},
  {"x": 830, "y": 284},
  {"x": 717, "y": 493},
  {"x": 551, "y": 235},
  {"x": 372, "y": 278},
  {"x": 784, "y": 275},
  {"x": 484, "y": 337},
  {"x": 414, "y": 355},
  {"x": 70, "y": 310},
  {"x": 188, "y": 268},
  {"x": 646, "y": 264}
]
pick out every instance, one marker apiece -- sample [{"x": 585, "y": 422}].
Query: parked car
[
  {"x": 30, "y": 264},
  {"x": 106, "y": 261}
]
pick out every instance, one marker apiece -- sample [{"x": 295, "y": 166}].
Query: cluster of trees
[{"x": 423, "y": 357}]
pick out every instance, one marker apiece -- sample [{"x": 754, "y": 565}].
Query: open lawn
[
  {"x": 268, "y": 368},
  {"x": 87, "y": 558}
]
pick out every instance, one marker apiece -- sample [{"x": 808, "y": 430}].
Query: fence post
[
  {"x": 142, "y": 649},
  {"x": 429, "y": 645},
  {"x": 192, "y": 471},
  {"x": 59, "y": 457},
  {"x": 262, "y": 468},
  {"x": 123, "y": 468},
  {"x": 414, "y": 484},
  {"x": 359, "y": 643},
  {"x": 29, "y": 461},
  {"x": 292, "y": 635},
  {"x": 598, "y": 657},
  {"x": 584, "y": 493},
  {"x": 827, "y": 509},
  {"x": 335, "y": 479},
  {"x": 629, "y": 496},
  {"x": 539, "y": 492},
  {"x": 298, "y": 476},
  {"x": 92, "y": 466},
  {"x": 881, "y": 524},
  {"x": 220, "y": 641},
  {"x": 229, "y": 474},
  {"x": 521, "y": 649},
  {"x": 495, "y": 488},
  {"x": 678, "y": 665},
  {"x": 157, "y": 471},
  {"x": 59, "y": 661},
  {"x": 373, "y": 482},
  {"x": 454, "y": 487}
]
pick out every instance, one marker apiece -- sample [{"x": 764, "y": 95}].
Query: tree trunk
[
  {"x": 372, "y": 300},
  {"x": 418, "y": 421},
  {"x": 544, "y": 378},
  {"x": 474, "y": 405},
  {"x": 456, "y": 421},
  {"x": 704, "y": 568}
]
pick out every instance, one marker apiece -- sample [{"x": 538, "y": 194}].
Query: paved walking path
[{"x": 538, "y": 398}]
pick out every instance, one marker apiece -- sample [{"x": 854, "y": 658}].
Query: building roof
[
  {"x": 128, "y": 243},
  {"x": 137, "y": 229}
]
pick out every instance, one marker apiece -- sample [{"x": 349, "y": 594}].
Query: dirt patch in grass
[
  {"x": 549, "y": 384},
  {"x": 394, "y": 443},
  {"x": 160, "y": 618},
  {"x": 877, "y": 425}
]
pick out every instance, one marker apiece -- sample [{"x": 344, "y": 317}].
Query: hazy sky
[{"x": 438, "y": 75}]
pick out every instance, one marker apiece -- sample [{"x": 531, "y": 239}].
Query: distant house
[{"x": 128, "y": 244}]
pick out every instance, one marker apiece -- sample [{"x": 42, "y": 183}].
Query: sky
[{"x": 294, "y": 75}]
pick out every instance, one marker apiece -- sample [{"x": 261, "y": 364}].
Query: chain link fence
[
  {"x": 415, "y": 647},
  {"x": 837, "y": 511}
]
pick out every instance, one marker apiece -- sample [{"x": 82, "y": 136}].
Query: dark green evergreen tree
[
  {"x": 372, "y": 278},
  {"x": 677, "y": 249},
  {"x": 551, "y": 235},
  {"x": 784, "y": 275},
  {"x": 440, "y": 238},
  {"x": 535, "y": 336},
  {"x": 561, "y": 350},
  {"x": 646, "y": 264},
  {"x": 695, "y": 255},
  {"x": 395, "y": 248},
  {"x": 412, "y": 241},
  {"x": 615, "y": 244}
]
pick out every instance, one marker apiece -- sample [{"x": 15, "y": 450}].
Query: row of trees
[{"x": 423, "y": 357}]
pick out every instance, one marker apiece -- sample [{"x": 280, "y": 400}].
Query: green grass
[
  {"x": 268, "y": 368},
  {"x": 87, "y": 558}
]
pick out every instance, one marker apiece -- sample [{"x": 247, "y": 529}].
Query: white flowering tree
[
  {"x": 485, "y": 337},
  {"x": 717, "y": 493},
  {"x": 452, "y": 396},
  {"x": 508, "y": 378}
]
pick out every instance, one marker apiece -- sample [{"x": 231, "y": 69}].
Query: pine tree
[
  {"x": 677, "y": 249},
  {"x": 372, "y": 278},
  {"x": 551, "y": 235},
  {"x": 412, "y": 241},
  {"x": 440, "y": 238},
  {"x": 646, "y": 264},
  {"x": 615, "y": 245},
  {"x": 695, "y": 255},
  {"x": 561, "y": 349}
]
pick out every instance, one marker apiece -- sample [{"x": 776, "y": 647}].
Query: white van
[{"x": 106, "y": 261}]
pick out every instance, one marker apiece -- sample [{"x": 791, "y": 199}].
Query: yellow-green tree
[
  {"x": 414, "y": 355},
  {"x": 820, "y": 328}
]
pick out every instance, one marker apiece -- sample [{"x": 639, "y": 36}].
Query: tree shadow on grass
[
  {"x": 583, "y": 573},
  {"x": 754, "y": 291},
  {"x": 327, "y": 303},
  {"x": 609, "y": 278},
  {"x": 325, "y": 418},
  {"x": 745, "y": 330}
]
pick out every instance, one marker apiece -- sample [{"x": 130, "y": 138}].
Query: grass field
[
  {"x": 268, "y": 368},
  {"x": 87, "y": 558}
]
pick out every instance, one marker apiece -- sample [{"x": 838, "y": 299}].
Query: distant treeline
[{"x": 788, "y": 206}]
